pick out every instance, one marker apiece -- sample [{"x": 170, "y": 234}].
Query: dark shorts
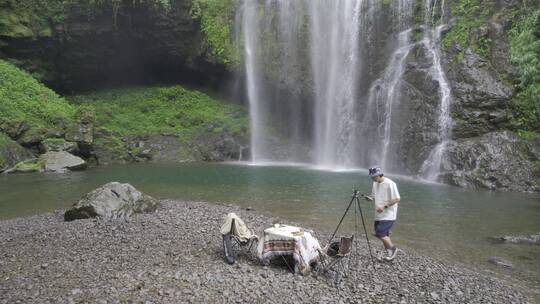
[{"x": 382, "y": 228}]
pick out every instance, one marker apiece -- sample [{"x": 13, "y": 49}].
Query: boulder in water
[
  {"x": 520, "y": 239},
  {"x": 500, "y": 262},
  {"x": 113, "y": 200},
  {"x": 62, "y": 161}
]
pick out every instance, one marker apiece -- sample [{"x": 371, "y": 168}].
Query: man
[{"x": 386, "y": 197}]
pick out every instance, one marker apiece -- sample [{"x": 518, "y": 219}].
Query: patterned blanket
[{"x": 289, "y": 240}]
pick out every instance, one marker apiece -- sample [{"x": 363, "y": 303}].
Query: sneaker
[{"x": 391, "y": 254}]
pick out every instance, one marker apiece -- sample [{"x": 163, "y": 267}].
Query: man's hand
[
  {"x": 380, "y": 209},
  {"x": 368, "y": 198}
]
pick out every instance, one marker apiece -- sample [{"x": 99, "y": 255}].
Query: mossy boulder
[
  {"x": 29, "y": 166},
  {"x": 58, "y": 144},
  {"x": 111, "y": 201},
  {"x": 11, "y": 153},
  {"x": 110, "y": 150}
]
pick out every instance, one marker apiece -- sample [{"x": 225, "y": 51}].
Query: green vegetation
[
  {"x": 30, "y": 165},
  {"x": 470, "y": 15},
  {"x": 114, "y": 114},
  {"x": 216, "y": 17},
  {"x": 114, "y": 147},
  {"x": 54, "y": 141},
  {"x": 4, "y": 142},
  {"x": 29, "y": 18},
  {"x": 38, "y": 18},
  {"x": 525, "y": 54},
  {"x": 22, "y": 98},
  {"x": 156, "y": 110}
]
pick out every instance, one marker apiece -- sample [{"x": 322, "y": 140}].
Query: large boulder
[
  {"x": 500, "y": 262},
  {"x": 62, "y": 161},
  {"x": 495, "y": 161},
  {"x": 481, "y": 98},
  {"x": 82, "y": 132},
  {"x": 58, "y": 145},
  {"x": 11, "y": 153},
  {"x": 111, "y": 201}
]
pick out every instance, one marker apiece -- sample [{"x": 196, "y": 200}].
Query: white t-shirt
[{"x": 382, "y": 193}]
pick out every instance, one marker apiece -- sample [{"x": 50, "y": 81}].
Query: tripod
[{"x": 355, "y": 200}]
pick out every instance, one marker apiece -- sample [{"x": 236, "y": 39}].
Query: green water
[{"x": 433, "y": 220}]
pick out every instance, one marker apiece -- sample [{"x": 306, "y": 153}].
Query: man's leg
[
  {"x": 387, "y": 242},
  {"x": 382, "y": 230}
]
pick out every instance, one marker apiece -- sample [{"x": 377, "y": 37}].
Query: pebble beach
[{"x": 175, "y": 255}]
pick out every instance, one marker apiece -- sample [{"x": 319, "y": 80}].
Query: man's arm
[
  {"x": 392, "y": 202},
  {"x": 395, "y": 194},
  {"x": 387, "y": 205}
]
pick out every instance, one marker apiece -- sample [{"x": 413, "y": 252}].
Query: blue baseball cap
[{"x": 375, "y": 171}]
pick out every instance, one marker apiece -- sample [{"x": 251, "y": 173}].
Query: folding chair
[
  {"x": 242, "y": 245},
  {"x": 234, "y": 243},
  {"x": 334, "y": 258}
]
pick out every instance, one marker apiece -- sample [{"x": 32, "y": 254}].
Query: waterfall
[
  {"x": 252, "y": 81},
  {"x": 334, "y": 51},
  {"x": 431, "y": 167},
  {"x": 385, "y": 92},
  {"x": 344, "y": 63}
]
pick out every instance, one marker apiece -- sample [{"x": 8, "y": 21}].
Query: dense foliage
[
  {"x": 22, "y": 98},
  {"x": 156, "y": 110},
  {"x": 525, "y": 54},
  {"x": 470, "y": 16},
  {"x": 33, "y": 18},
  {"x": 29, "y": 18},
  {"x": 216, "y": 17}
]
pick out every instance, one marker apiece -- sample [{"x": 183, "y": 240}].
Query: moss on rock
[
  {"x": 470, "y": 16},
  {"x": 11, "y": 152},
  {"x": 30, "y": 166},
  {"x": 30, "y": 18},
  {"x": 110, "y": 150}
]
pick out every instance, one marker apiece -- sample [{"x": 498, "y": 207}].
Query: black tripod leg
[
  {"x": 341, "y": 221},
  {"x": 365, "y": 230}
]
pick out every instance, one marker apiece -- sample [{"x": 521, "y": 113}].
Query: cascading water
[
  {"x": 253, "y": 92},
  {"x": 260, "y": 27},
  {"x": 385, "y": 91},
  {"x": 431, "y": 167},
  {"x": 332, "y": 52}
]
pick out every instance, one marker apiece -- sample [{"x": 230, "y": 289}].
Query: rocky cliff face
[
  {"x": 484, "y": 153},
  {"x": 495, "y": 161},
  {"x": 80, "y": 46}
]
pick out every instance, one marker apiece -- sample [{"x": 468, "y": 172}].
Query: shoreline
[{"x": 175, "y": 255}]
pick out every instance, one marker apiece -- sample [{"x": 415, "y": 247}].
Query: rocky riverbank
[{"x": 174, "y": 255}]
